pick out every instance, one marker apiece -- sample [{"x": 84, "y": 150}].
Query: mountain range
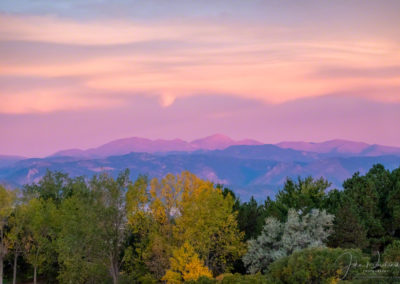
[
  {"x": 247, "y": 166},
  {"x": 143, "y": 145}
]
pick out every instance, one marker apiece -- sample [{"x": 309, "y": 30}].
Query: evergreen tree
[
  {"x": 348, "y": 230},
  {"x": 251, "y": 218}
]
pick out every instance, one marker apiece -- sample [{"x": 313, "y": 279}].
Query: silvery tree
[{"x": 282, "y": 239}]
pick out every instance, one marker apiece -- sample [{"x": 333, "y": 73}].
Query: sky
[{"x": 78, "y": 74}]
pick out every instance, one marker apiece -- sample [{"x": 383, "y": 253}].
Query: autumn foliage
[{"x": 181, "y": 228}]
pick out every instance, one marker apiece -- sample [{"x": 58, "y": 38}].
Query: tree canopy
[{"x": 181, "y": 228}]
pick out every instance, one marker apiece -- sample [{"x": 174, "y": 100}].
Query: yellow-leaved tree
[
  {"x": 185, "y": 210},
  {"x": 198, "y": 213},
  {"x": 207, "y": 222},
  {"x": 185, "y": 266}
]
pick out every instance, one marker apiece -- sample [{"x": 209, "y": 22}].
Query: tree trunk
[
  {"x": 1, "y": 268},
  {"x": 1, "y": 255},
  {"x": 114, "y": 273},
  {"x": 15, "y": 268},
  {"x": 115, "y": 279},
  {"x": 34, "y": 274}
]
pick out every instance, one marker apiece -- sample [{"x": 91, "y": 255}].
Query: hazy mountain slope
[
  {"x": 331, "y": 148},
  {"x": 8, "y": 160},
  {"x": 249, "y": 170},
  {"x": 341, "y": 147},
  {"x": 220, "y": 141},
  {"x": 266, "y": 151},
  {"x": 137, "y": 144}
]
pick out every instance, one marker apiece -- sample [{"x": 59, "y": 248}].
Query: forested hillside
[{"x": 249, "y": 170}]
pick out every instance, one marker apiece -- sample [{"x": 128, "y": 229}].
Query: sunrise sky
[{"x": 81, "y": 73}]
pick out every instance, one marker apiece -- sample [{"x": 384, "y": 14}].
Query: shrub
[
  {"x": 317, "y": 265},
  {"x": 391, "y": 264},
  {"x": 392, "y": 252},
  {"x": 245, "y": 279}
]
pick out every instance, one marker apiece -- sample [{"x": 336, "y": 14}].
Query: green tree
[
  {"x": 368, "y": 194},
  {"x": 349, "y": 232},
  {"x": 80, "y": 241},
  {"x": 17, "y": 234},
  {"x": 110, "y": 195},
  {"x": 94, "y": 230},
  {"x": 251, "y": 217},
  {"x": 53, "y": 185},
  {"x": 393, "y": 205},
  {"x": 305, "y": 194},
  {"x": 40, "y": 233}
]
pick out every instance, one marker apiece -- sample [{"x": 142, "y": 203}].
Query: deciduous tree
[
  {"x": 281, "y": 239},
  {"x": 185, "y": 266},
  {"x": 6, "y": 205}
]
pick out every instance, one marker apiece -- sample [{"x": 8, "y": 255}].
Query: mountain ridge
[
  {"x": 248, "y": 166},
  {"x": 138, "y": 144},
  {"x": 249, "y": 170},
  {"x": 135, "y": 144}
]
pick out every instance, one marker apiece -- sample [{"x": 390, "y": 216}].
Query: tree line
[{"x": 181, "y": 228}]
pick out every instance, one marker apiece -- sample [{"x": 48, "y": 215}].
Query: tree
[
  {"x": 111, "y": 197},
  {"x": 142, "y": 232},
  {"x": 205, "y": 220},
  {"x": 226, "y": 191},
  {"x": 54, "y": 188},
  {"x": 80, "y": 241},
  {"x": 40, "y": 233},
  {"x": 282, "y": 239},
  {"x": 185, "y": 266},
  {"x": 305, "y": 194},
  {"x": 251, "y": 217},
  {"x": 17, "y": 234},
  {"x": 368, "y": 194},
  {"x": 137, "y": 200},
  {"x": 393, "y": 205},
  {"x": 333, "y": 201},
  {"x": 349, "y": 232},
  {"x": 6, "y": 205},
  {"x": 53, "y": 185},
  {"x": 94, "y": 230},
  {"x": 186, "y": 208}
]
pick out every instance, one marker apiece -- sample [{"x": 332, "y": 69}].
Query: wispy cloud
[{"x": 181, "y": 57}]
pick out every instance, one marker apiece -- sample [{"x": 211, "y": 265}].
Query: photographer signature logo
[{"x": 346, "y": 262}]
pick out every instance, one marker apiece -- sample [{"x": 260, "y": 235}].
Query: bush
[
  {"x": 143, "y": 279},
  {"x": 391, "y": 262},
  {"x": 236, "y": 278},
  {"x": 203, "y": 280},
  {"x": 239, "y": 278},
  {"x": 392, "y": 252},
  {"x": 318, "y": 265}
]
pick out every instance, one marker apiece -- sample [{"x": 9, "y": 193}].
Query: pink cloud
[{"x": 186, "y": 58}]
